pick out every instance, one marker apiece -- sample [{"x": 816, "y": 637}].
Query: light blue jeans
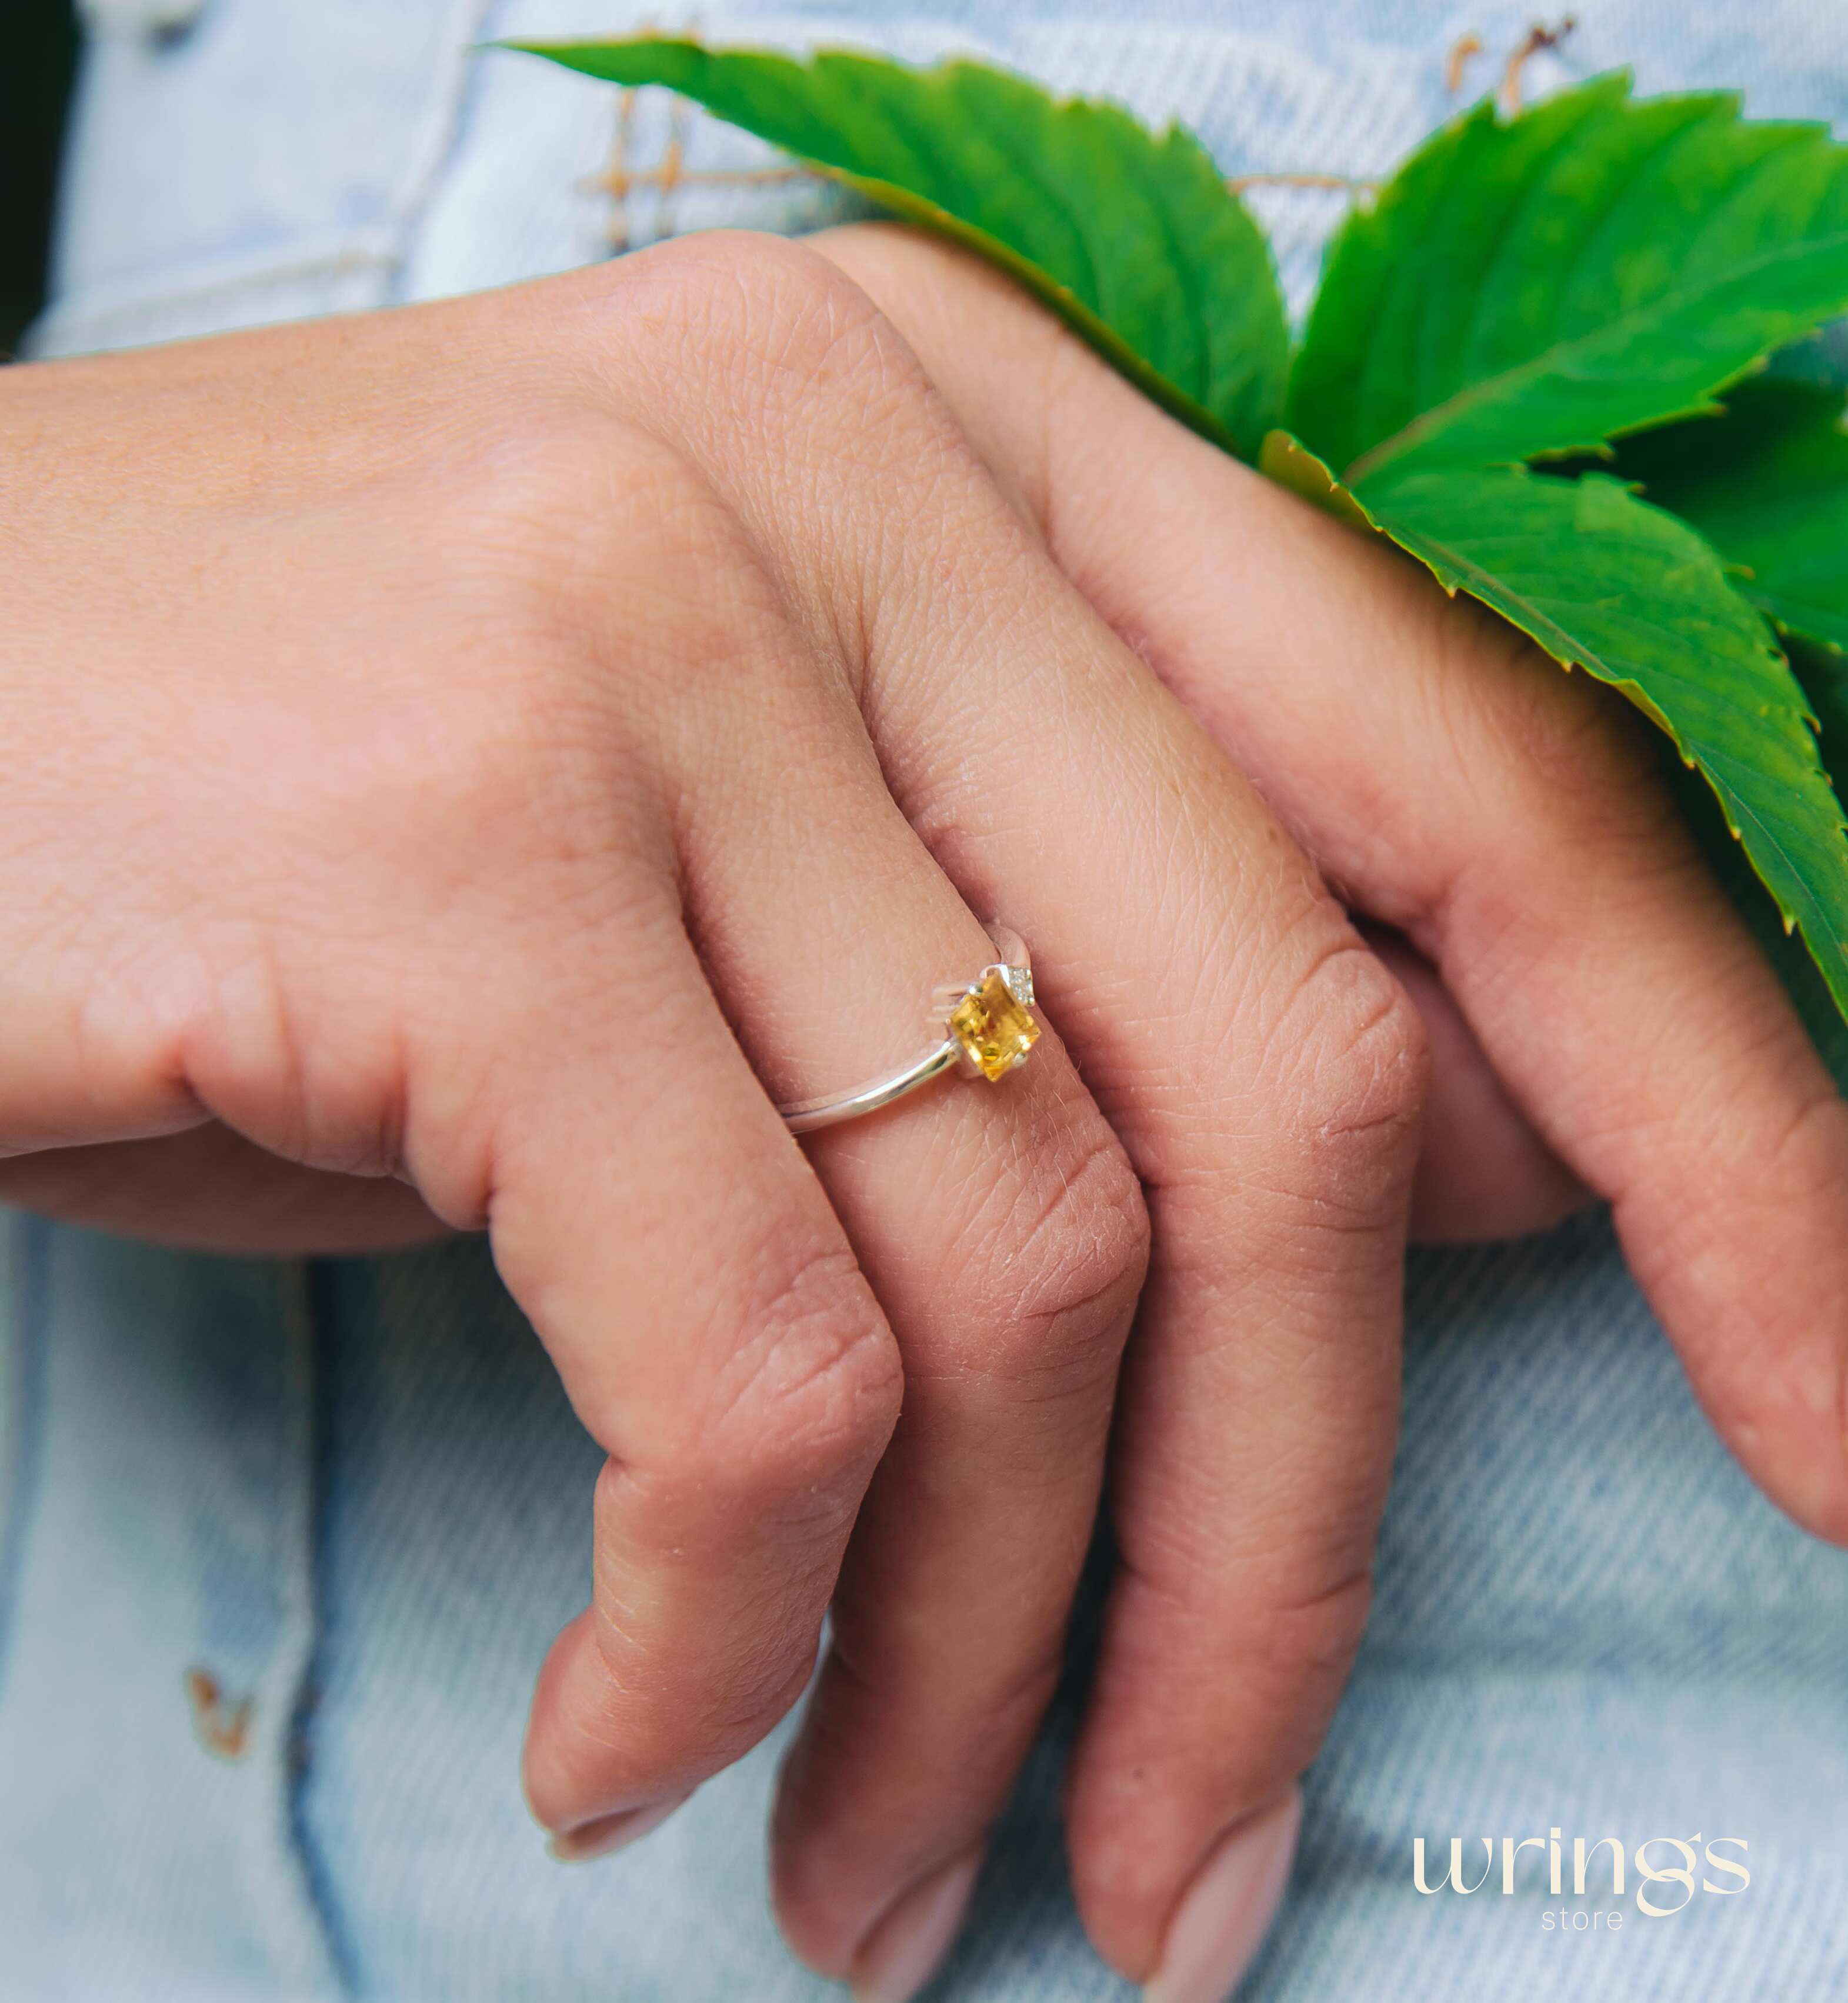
[{"x": 325, "y": 1517}]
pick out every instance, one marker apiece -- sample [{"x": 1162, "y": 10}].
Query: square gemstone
[{"x": 993, "y": 1026}]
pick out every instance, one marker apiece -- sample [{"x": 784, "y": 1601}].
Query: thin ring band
[{"x": 989, "y": 1028}]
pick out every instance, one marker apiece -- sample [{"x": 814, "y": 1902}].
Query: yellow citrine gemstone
[{"x": 995, "y": 1029}]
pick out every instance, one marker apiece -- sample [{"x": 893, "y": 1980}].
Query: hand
[
  {"x": 502, "y": 746},
  {"x": 1598, "y": 1021},
  {"x": 1260, "y": 1075}
]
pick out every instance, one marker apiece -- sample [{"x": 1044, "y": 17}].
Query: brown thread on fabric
[
  {"x": 1463, "y": 51},
  {"x": 223, "y": 1728},
  {"x": 1538, "y": 40}
]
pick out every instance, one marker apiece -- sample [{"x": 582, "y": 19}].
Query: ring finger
[{"x": 1003, "y": 1232}]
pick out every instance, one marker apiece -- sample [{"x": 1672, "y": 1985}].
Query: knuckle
[
  {"x": 254, "y": 1047},
  {"x": 1306, "y": 1641},
  {"x": 779, "y": 332},
  {"x": 546, "y": 495},
  {"x": 805, "y": 1400},
  {"x": 1806, "y": 1144},
  {"x": 1053, "y": 1290},
  {"x": 513, "y": 489},
  {"x": 1356, "y": 1066},
  {"x": 570, "y": 543},
  {"x": 806, "y": 409}
]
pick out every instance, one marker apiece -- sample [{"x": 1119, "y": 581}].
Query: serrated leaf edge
[
  {"x": 902, "y": 201},
  {"x": 1292, "y": 464}
]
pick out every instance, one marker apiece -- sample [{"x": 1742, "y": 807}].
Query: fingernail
[
  {"x": 901, "y": 1952},
  {"x": 1227, "y": 1911},
  {"x": 610, "y": 1833}
]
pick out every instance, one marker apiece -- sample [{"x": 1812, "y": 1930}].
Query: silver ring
[{"x": 988, "y": 1029}]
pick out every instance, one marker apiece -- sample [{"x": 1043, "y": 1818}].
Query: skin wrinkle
[
  {"x": 1015, "y": 1703},
  {"x": 1619, "y": 1128},
  {"x": 1118, "y": 1224},
  {"x": 754, "y": 1703},
  {"x": 1060, "y": 1252},
  {"x": 1212, "y": 1535},
  {"x": 761, "y": 1654},
  {"x": 853, "y": 1378},
  {"x": 808, "y": 1373},
  {"x": 1301, "y": 1052},
  {"x": 1688, "y": 1243},
  {"x": 1337, "y": 1603}
]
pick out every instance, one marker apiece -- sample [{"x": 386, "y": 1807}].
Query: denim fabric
[
  {"x": 351, "y": 1494},
  {"x": 159, "y": 1523}
]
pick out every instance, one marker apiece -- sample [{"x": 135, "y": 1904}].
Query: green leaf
[
  {"x": 1766, "y": 483},
  {"x": 1290, "y": 463},
  {"x": 1604, "y": 582},
  {"x": 1541, "y": 285},
  {"x": 1132, "y": 237},
  {"x": 1823, "y": 674},
  {"x": 1805, "y": 986}
]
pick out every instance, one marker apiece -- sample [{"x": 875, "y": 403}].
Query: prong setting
[{"x": 988, "y": 1031}]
